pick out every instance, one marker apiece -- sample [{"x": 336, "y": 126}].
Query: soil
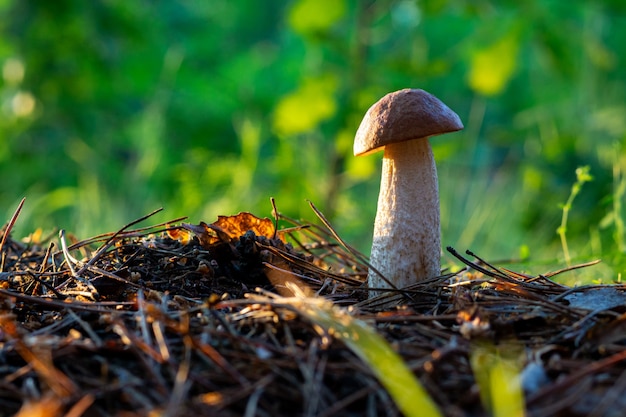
[{"x": 180, "y": 320}]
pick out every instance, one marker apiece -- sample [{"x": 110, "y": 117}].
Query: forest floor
[{"x": 215, "y": 319}]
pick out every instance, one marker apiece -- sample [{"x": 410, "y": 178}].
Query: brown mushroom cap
[{"x": 404, "y": 115}]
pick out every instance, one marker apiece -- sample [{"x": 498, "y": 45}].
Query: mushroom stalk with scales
[{"x": 406, "y": 245}]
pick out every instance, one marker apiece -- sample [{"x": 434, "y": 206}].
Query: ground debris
[{"x": 167, "y": 319}]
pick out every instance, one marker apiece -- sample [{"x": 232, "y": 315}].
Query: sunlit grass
[{"x": 365, "y": 342}]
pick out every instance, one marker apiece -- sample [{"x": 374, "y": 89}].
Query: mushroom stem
[{"x": 406, "y": 246}]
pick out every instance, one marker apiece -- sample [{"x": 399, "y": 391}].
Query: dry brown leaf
[
  {"x": 180, "y": 234},
  {"x": 227, "y": 228},
  {"x": 238, "y": 225}
]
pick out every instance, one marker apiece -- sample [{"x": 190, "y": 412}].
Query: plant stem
[
  {"x": 619, "y": 187},
  {"x": 582, "y": 176}
]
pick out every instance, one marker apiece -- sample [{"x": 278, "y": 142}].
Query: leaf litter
[{"x": 240, "y": 317}]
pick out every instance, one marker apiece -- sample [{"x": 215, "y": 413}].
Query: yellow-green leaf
[
  {"x": 303, "y": 109},
  {"x": 492, "y": 67},
  {"x": 315, "y": 15}
]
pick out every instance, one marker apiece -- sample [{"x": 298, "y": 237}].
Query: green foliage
[{"x": 110, "y": 109}]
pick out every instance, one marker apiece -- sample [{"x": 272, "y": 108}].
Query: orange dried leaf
[
  {"x": 227, "y": 228},
  {"x": 204, "y": 232},
  {"x": 180, "y": 234},
  {"x": 241, "y": 223}
]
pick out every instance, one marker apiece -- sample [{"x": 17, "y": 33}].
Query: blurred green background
[{"x": 112, "y": 108}]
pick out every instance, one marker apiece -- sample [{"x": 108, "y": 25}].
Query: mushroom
[{"x": 406, "y": 246}]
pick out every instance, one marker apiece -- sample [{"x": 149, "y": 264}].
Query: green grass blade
[
  {"x": 408, "y": 394},
  {"x": 497, "y": 372}
]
